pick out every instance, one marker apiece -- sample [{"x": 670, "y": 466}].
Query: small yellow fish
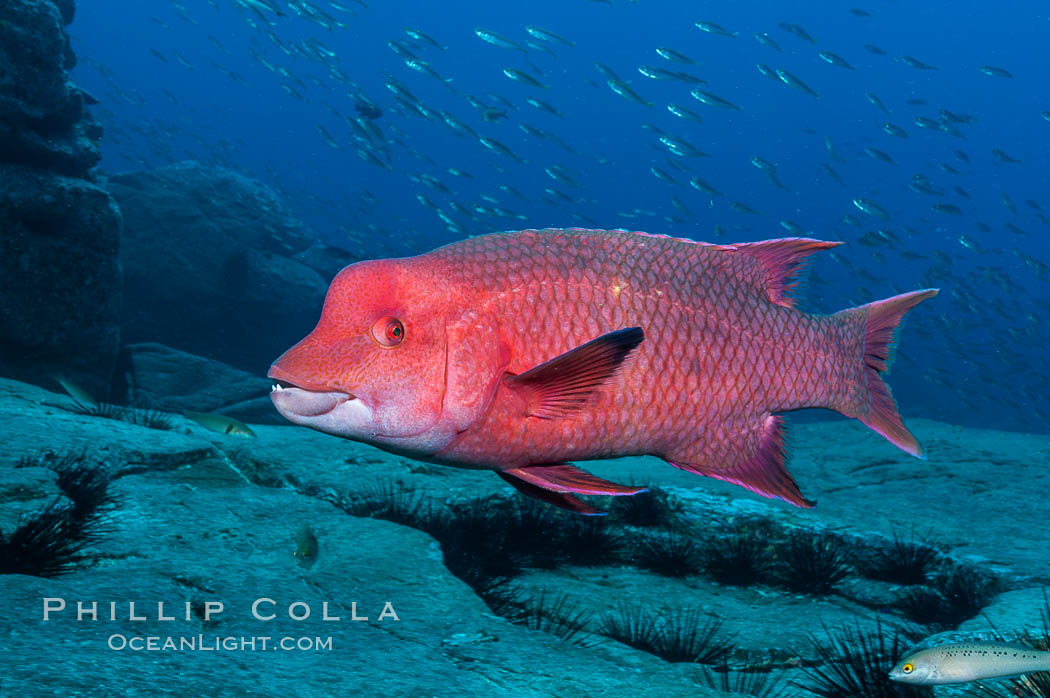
[
  {"x": 306, "y": 547},
  {"x": 76, "y": 392},
  {"x": 221, "y": 423}
]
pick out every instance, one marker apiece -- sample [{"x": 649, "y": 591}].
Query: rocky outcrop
[
  {"x": 171, "y": 380},
  {"x": 59, "y": 303},
  {"x": 189, "y": 528},
  {"x": 43, "y": 120},
  {"x": 325, "y": 259},
  {"x": 202, "y": 516},
  {"x": 216, "y": 266}
]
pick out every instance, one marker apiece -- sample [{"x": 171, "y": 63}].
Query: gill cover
[{"x": 477, "y": 359}]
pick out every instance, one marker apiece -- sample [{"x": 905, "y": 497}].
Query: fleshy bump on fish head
[{"x": 374, "y": 367}]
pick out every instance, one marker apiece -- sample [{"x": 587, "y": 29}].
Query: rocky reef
[
  {"x": 195, "y": 257},
  {"x": 59, "y": 252},
  {"x": 497, "y": 595},
  {"x": 212, "y": 258},
  {"x": 168, "y": 379}
]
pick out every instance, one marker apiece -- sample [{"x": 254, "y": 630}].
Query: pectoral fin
[
  {"x": 569, "y": 478},
  {"x": 564, "y": 384},
  {"x": 555, "y": 484}
]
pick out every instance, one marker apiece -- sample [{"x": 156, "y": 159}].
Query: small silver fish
[
  {"x": 669, "y": 54},
  {"x": 257, "y": 5},
  {"x": 835, "y": 59},
  {"x": 221, "y": 423},
  {"x": 683, "y": 113},
  {"x": 968, "y": 661},
  {"x": 701, "y": 185},
  {"x": 995, "y": 71},
  {"x": 549, "y": 36},
  {"x": 871, "y": 208},
  {"x": 523, "y": 78},
  {"x": 76, "y": 392},
  {"x": 713, "y": 100},
  {"x": 914, "y": 62},
  {"x": 792, "y": 81},
  {"x": 874, "y": 99},
  {"x": 543, "y": 106},
  {"x": 491, "y": 37},
  {"x": 767, "y": 71},
  {"x": 712, "y": 28},
  {"x": 624, "y": 90},
  {"x": 417, "y": 35},
  {"x": 894, "y": 130},
  {"x": 766, "y": 40}
]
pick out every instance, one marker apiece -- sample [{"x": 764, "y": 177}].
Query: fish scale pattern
[{"x": 718, "y": 355}]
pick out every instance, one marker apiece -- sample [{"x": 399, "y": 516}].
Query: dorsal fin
[{"x": 782, "y": 259}]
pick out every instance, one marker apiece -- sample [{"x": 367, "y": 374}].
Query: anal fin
[{"x": 755, "y": 461}]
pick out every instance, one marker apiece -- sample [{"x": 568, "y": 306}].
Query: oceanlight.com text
[{"x": 216, "y": 643}]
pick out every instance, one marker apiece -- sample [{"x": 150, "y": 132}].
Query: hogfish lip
[
  {"x": 295, "y": 399},
  {"x": 296, "y": 402}
]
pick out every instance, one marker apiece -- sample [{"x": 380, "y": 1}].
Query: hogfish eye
[
  {"x": 388, "y": 331},
  {"x": 908, "y": 668}
]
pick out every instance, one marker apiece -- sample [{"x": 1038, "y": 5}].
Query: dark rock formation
[
  {"x": 43, "y": 122},
  {"x": 174, "y": 381},
  {"x": 327, "y": 260},
  {"x": 59, "y": 303},
  {"x": 58, "y": 310},
  {"x": 210, "y": 267}
]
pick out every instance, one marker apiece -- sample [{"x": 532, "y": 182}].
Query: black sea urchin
[
  {"x": 746, "y": 681},
  {"x": 812, "y": 564},
  {"x": 51, "y": 541},
  {"x": 669, "y": 554},
  {"x": 45, "y": 544},
  {"x": 857, "y": 664},
  {"x": 904, "y": 561},
  {"x": 678, "y": 636},
  {"x": 654, "y": 507},
  {"x": 738, "y": 558}
]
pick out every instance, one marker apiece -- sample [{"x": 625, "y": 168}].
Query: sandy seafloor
[{"x": 206, "y": 516}]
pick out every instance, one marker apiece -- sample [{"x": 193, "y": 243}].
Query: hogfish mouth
[
  {"x": 304, "y": 400},
  {"x": 306, "y": 403}
]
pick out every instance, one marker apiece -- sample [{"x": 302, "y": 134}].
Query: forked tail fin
[{"x": 877, "y": 408}]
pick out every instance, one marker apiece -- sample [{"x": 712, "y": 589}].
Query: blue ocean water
[{"x": 190, "y": 80}]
